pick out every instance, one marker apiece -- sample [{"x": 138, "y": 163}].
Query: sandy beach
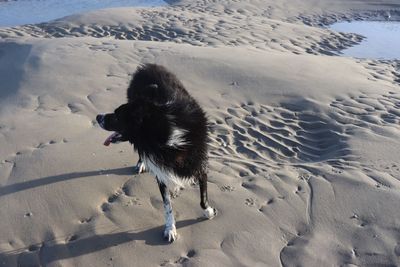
[{"x": 304, "y": 150}]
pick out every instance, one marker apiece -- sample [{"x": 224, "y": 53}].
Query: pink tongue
[{"x": 109, "y": 139}]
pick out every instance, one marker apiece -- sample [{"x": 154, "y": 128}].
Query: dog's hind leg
[
  {"x": 170, "y": 229},
  {"x": 209, "y": 212}
]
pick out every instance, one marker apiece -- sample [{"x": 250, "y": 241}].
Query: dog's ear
[
  {"x": 153, "y": 86},
  {"x": 153, "y": 93}
]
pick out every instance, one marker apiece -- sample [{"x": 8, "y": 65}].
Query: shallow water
[
  {"x": 382, "y": 39},
  {"x": 21, "y": 12}
]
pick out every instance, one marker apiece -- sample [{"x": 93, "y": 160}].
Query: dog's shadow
[
  {"x": 51, "y": 251},
  {"x": 45, "y": 253},
  {"x": 13, "y": 188}
]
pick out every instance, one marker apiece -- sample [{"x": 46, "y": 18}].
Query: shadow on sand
[
  {"x": 49, "y": 251},
  {"x": 13, "y": 57},
  {"x": 13, "y": 188}
]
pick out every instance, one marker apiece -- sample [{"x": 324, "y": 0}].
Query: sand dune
[{"x": 304, "y": 162}]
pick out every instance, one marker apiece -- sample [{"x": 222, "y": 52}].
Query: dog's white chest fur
[{"x": 163, "y": 176}]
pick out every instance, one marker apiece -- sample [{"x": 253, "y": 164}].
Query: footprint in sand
[
  {"x": 87, "y": 220},
  {"x": 250, "y": 202},
  {"x": 227, "y": 188},
  {"x": 182, "y": 260},
  {"x": 51, "y": 142},
  {"x": 134, "y": 201},
  {"x": 124, "y": 195}
]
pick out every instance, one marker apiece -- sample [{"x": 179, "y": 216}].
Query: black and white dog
[{"x": 168, "y": 129}]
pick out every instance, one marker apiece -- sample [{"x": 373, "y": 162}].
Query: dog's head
[
  {"x": 135, "y": 120},
  {"x": 123, "y": 122},
  {"x": 114, "y": 121}
]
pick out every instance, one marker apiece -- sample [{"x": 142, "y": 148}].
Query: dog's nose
[
  {"x": 99, "y": 117},
  {"x": 100, "y": 120}
]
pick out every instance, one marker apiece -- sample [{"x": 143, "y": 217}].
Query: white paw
[
  {"x": 210, "y": 212},
  {"x": 140, "y": 167},
  {"x": 170, "y": 233}
]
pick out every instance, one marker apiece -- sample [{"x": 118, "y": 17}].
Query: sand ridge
[{"x": 199, "y": 25}]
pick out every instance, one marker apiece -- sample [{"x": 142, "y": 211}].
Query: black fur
[{"x": 158, "y": 102}]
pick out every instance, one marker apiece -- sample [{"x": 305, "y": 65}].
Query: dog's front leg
[
  {"x": 170, "y": 229},
  {"x": 140, "y": 167}
]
